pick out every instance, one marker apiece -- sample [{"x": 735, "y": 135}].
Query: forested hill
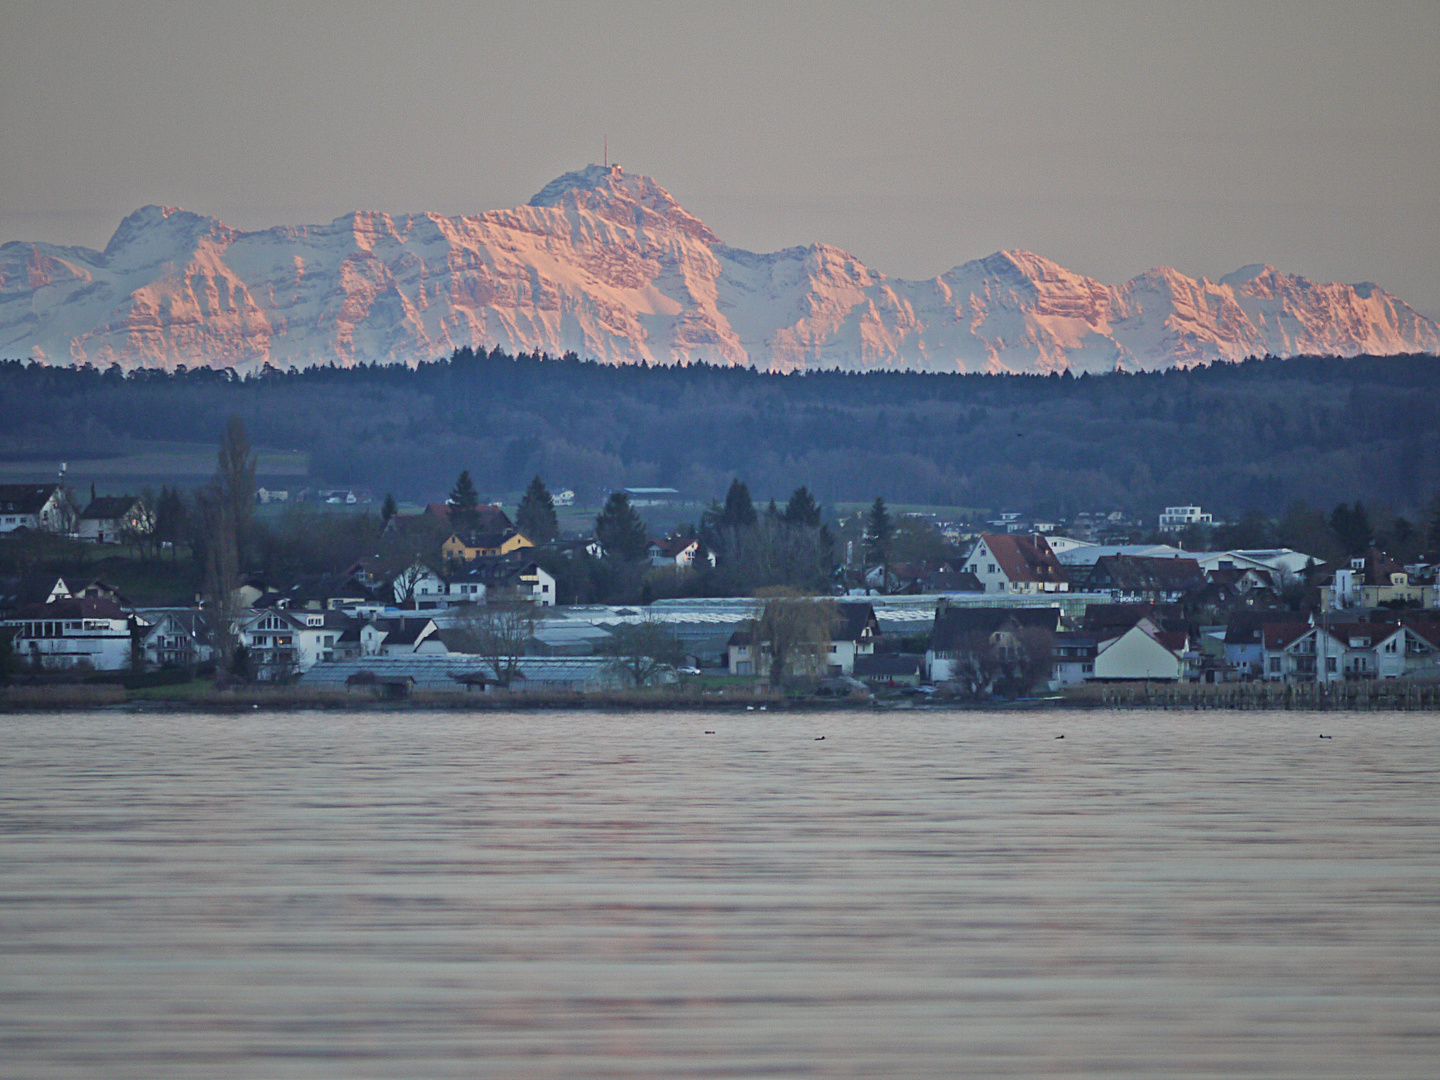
[{"x": 1255, "y": 435}]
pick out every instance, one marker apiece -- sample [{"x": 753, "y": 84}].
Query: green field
[{"x": 138, "y": 465}]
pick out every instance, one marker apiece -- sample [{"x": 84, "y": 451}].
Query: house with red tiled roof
[{"x": 1012, "y": 563}]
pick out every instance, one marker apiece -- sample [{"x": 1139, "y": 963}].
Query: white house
[
  {"x": 1142, "y": 652},
  {"x": 400, "y": 637},
  {"x": 72, "y": 632},
  {"x": 1176, "y": 518},
  {"x": 177, "y": 637},
  {"x": 676, "y": 551},
  {"x": 111, "y": 519},
  {"x": 35, "y": 506},
  {"x": 481, "y": 579},
  {"x": 284, "y": 643},
  {"x": 1011, "y": 563}
]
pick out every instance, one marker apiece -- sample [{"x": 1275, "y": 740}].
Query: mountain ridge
[{"x": 607, "y": 264}]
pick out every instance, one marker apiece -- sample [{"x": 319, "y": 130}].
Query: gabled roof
[
  {"x": 1024, "y": 558},
  {"x": 1176, "y": 642},
  {"x": 1280, "y": 635},
  {"x": 180, "y": 620},
  {"x": 488, "y": 518},
  {"x": 25, "y": 498},
  {"x": 109, "y": 507},
  {"x": 404, "y": 631},
  {"x": 1111, "y": 620},
  {"x": 1141, "y": 573},
  {"x": 672, "y": 546},
  {"x": 954, "y": 624},
  {"x": 1247, "y": 627},
  {"x": 855, "y": 618}
]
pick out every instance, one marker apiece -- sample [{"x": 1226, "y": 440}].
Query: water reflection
[{"x": 586, "y": 895}]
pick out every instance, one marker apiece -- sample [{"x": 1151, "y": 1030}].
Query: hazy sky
[{"x": 1110, "y": 137}]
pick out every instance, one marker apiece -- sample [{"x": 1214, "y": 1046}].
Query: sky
[{"x": 1109, "y": 137}]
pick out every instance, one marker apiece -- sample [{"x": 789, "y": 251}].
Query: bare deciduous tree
[
  {"x": 644, "y": 651},
  {"x": 498, "y": 633}
]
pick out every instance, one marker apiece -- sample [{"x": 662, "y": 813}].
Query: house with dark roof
[
  {"x": 1143, "y": 579},
  {"x": 177, "y": 638},
  {"x": 890, "y": 669},
  {"x": 957, "y": 631},
  {"x": 111, "y": 519},
  {"x": 1072, "y": 658},
  {"x": 854, "y": 636},
  {"x": 42, "y": 507},
  {"x": 405, "y": 636},
  {"x": 72, "y": 632},
  {"x": 1012, "y": 563},
  {"x": 282, "y": 643}
]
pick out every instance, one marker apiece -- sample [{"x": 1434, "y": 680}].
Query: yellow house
[{"x": 473, "y": 545}]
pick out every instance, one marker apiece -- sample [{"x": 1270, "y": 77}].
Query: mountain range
[{"x": 608, "y": 265}]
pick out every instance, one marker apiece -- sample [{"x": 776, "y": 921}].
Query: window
[
  {"x": 992, "y": 568},
  {"x": 1330, "y": 663},
  {"x": 1275, "y": 664}
]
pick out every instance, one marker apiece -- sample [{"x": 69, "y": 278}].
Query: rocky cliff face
[{"x": 608, "y": 265}]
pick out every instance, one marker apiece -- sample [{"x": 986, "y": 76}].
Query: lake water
[{"x": 608, "y": 895}]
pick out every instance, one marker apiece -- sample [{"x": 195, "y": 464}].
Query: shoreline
[{"x": 1233, "y": 697}]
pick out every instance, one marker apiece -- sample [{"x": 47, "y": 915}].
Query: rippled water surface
[{"x": 592, "y": 895}]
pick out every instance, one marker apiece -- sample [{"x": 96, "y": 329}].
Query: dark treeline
[{"x": 1253, "y": 436}]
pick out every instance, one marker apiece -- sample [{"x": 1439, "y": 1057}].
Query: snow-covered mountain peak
[
  {"x": 624, "y": 198},
  {"x": 1247, "y": 274},
  {"x": 173, "y": 223}
]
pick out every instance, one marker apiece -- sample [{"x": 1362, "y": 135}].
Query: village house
[
  {"x": 1375, "y": 580},
  {"x": 678, "y": 551},
  {"x": 891, "y": 670},
  {"x": 482, "y": 580},
  {"x": 400, "y": 637},
  {"x": 1072, "y": 658},
  {"x": 281, "y": 643},
  {"x": 1340, "y": 651},
  {"x": 113, "y": 519},
  {"x": 854, "y": 637},
  {"x": 1145, "y": 579},
  {"x": 1143, "y": 652},
  {"x": 72, "y": 632},
  {"x": 958, "y": 631},
  {"x": 1016, "y": 564},
  {"x": 177, "y": 638},
  {"x": 36, "y": 507}
]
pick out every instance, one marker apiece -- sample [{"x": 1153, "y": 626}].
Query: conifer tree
[
  {"x": 536, "y": 518},
  {"x": 619, "y": 529},
  {"x": 739, "y": 509},
  {"x": 802, "y": 509},
  {"x": 464, "y": 503}
]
